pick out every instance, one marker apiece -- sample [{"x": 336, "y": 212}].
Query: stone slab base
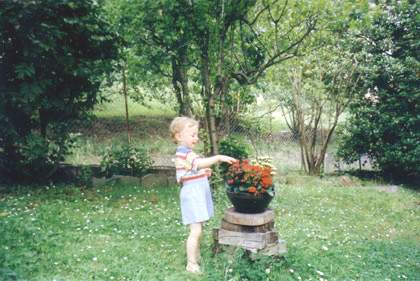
[
  {"x": 248, "y": 219},
  {"x": 256, "y": 243}
]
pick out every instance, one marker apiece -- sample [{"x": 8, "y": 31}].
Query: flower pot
[{"x": 249, "y": 203}]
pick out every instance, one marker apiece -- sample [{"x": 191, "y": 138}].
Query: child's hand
[
  {"x": 227, "y": 159},
  {"x": 207, "y": 172}
]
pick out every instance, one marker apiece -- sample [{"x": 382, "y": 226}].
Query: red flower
[
  {"x": 252, "y": 189},
  {"x": 244, "y": 177}
]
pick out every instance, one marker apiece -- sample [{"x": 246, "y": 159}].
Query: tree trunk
[
  {"x": 212, "y": 125},
  {"x": 209, "y": 100},
  {"x": 177, "y": 88},
  {"x": 227, "y": 114},
  {"x": 327, "y": 139},
  {"x": 125, "y": 93},
  {"x": 180, "y": 84}
]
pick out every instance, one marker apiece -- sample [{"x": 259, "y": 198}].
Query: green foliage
[
  {"x": 253, "y": 126},
  {"x": 155, "y": 36},
  {"x": 234, "y": 147},
  {"x": 52, "y": 59},
  {"x": 221, "y": 46},
  {"x": 126, "y": 160},
  {"x": 84, "y": 177},
  {"x": 38, "y": 156},
  {"x": 313, "y": 90},
  {"x": 385, "y": 120}
]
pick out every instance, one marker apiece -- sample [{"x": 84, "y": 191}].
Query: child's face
[{"x": 188, "y": 137}]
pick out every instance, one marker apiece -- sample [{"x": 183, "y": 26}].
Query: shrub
[
  {"x": 39, "y": 155},
  {"x": 84, "y": 177},
  {"x": 37, "y": 158},
  {"x": 233, "y": 147},
  {"x": 384, "y": 120},
  {"x": 126, "y": 160}
]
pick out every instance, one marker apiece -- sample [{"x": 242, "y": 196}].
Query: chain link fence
[{"x": 282, "y": 145}]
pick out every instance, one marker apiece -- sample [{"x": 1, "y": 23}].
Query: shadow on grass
[{"x": 409, "y": 182}]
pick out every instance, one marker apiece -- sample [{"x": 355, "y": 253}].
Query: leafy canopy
[{"x": 52, "y": 59}]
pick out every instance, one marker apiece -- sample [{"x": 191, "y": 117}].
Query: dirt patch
[
  {"x": 387, "y": 188},
  {"x": 347, "y": 181}
]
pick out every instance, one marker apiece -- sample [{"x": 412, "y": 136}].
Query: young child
[{"x": 192, "y": 172}]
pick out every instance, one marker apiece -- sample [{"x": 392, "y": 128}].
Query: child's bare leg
[
  {"x": 198, "y": 254},
  {"x": 193, "y": 247}
]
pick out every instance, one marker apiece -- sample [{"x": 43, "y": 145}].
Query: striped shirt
[{"x": 186, "y": 166}]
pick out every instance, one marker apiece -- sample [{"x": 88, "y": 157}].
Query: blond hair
[{"x": 179, "y": 124}]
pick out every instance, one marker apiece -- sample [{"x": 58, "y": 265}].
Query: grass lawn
[
  {"x": 115, "y": 108},
  {"x": 123, "y": 232}
]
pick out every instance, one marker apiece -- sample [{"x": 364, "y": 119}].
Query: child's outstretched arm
[{"x": 209, "y": 161}]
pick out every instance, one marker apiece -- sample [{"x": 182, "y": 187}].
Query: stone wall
[{"x": 157, "y": 175}]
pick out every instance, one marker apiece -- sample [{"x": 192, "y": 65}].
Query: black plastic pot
[{"x": 249, "y": 203}]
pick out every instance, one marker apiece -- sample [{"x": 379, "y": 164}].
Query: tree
[
  {"x": 217, "y": 44},
  {"x": 315, "y": 89},
  {"x": 237, "y": 41},
  {"x": 157, "y": 39},
  {"x": 313, "y": 96},
  {"x": 52, "y": 59},
  {"x": 124, "y": 76},
  {"x": 385, "y": 121}
]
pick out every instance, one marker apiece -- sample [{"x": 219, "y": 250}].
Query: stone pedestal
[{"x": 253, "y": 232}]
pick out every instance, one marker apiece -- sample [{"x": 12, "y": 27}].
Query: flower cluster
[{"x": 242, "y": 176}]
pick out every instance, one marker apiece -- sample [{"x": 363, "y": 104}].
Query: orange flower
[
  {"x": 267, "y": 181},
  {"x": 252, "y": 189}
]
